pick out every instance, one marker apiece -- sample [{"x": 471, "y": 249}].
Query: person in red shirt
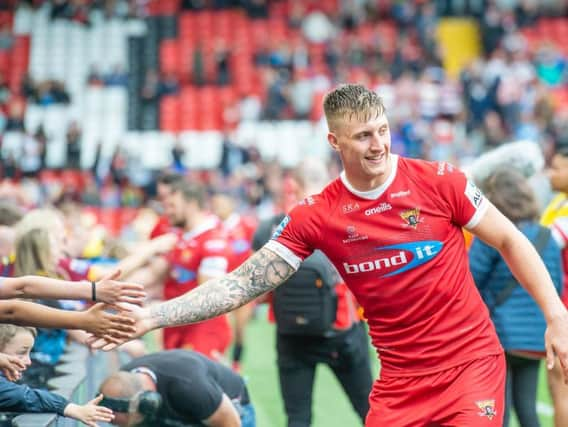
[
  {"x": 239, "y": 231},
  {"x": 202, "y": 252},
  {"x": 392, "y": 228}
]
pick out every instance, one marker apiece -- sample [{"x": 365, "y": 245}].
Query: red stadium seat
[
  {"x": 169, "y": 56},
  {"x": 47, "y": 176},
  {"x": 5, "y": 61},
  {"x": 169, "y": 114},
  {"x": 153, "y": 7},
  {"x": 6, "y": 17},
  {"x": 169, "y": 7}
]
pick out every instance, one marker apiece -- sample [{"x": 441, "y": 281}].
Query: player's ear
[{"x": 332, "y": 140}]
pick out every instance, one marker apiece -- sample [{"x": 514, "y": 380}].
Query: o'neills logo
[
  {"x": 383, "y": 207},
  {"x": 395, "y": 259}
]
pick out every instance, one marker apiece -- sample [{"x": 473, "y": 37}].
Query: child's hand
[
  {"x": 102, "y": 323},
  {"x": 11, "y": 366},
  {"x": 111, "y": 291},
  {"x": 89, "y": 413}
]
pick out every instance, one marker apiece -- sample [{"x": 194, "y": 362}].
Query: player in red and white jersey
[
  {"x": 400, "y": 249},
  {"x": 239, "y": 228},
  {"x": 202, "y": 252},
  {"x": 239, "y": 231},
  {"x": 392, "y": 227}
]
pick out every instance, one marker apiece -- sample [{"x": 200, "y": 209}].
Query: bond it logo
[
  {"x": 395, "y": 259},
  {"x": 281, "y": 227}
]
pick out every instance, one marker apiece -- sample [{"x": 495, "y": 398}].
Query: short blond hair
[
  {"x": 9, "y": 331},
  {"x": 348, "y": 100}
]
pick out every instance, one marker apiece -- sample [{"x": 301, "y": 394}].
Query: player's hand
[
  {"x": 556, "y": 342},
  {"x": 11, "y": 366},
  {"x": 111, "y": 291},
  {"x": 99, "y": 322},
  {"x": 139, "y": 318}
]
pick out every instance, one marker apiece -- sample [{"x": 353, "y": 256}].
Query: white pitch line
[{"x": 544, "y": 409}]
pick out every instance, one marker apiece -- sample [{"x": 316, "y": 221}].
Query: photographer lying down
[{"x": 177, "y": 388}]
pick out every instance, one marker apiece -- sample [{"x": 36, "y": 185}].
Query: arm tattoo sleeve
[{"x": 261, "y": 273}]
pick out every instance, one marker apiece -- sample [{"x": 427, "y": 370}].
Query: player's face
[
  {"x": 174, "y": 208},
  {"x": 558, "y": 173},
  {"x": 221, "y": 205},
  {"x": 364, "y": 148},
  {"x": 163, "y": 192}
]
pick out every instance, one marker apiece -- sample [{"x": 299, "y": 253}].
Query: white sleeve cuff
[
  {"x": 285, "y": 253},
  {"x": 478, "y": 215}
]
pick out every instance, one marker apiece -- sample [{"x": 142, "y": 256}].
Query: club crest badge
[
  {"x": 487, "y": 408},
  {"x": 411, "y": 217}
]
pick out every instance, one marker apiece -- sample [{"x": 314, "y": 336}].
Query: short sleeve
[
  {"x": 294, "y": 237},
  {"x": 466, "y": 202}
]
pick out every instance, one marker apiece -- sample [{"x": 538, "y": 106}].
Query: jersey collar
[
  {"x": 209, "y": 223},
  {"x": 232, "y": 221},
  {"x": 375, "y": 193}
]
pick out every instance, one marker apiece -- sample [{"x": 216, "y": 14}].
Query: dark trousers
[
  {"x": 522, "y": 382},
  {"x": 347, "y": 355}
]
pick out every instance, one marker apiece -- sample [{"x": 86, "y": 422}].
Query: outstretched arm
[
  {"x": 140, "y": 256},
  {"x": 95, "y": 320},
  {"x": 106, "y": 290},
  {"x": 529, "y": 269},
  {"x": 261, "y": 273}
]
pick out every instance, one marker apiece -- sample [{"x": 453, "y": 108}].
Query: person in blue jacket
[
  {"x": 518, "y": 320},
  {"x": 18, "y": 341}
]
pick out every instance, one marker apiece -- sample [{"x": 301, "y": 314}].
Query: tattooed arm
[{"x": 261, "y": 273}]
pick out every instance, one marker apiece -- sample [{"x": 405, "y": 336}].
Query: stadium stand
[{"x": 148, "y": 78}]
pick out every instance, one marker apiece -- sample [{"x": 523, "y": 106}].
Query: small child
[{"x": 18, "y": 341}]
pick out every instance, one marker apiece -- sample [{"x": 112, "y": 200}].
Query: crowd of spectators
[{"x": 506, "y": 94}]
